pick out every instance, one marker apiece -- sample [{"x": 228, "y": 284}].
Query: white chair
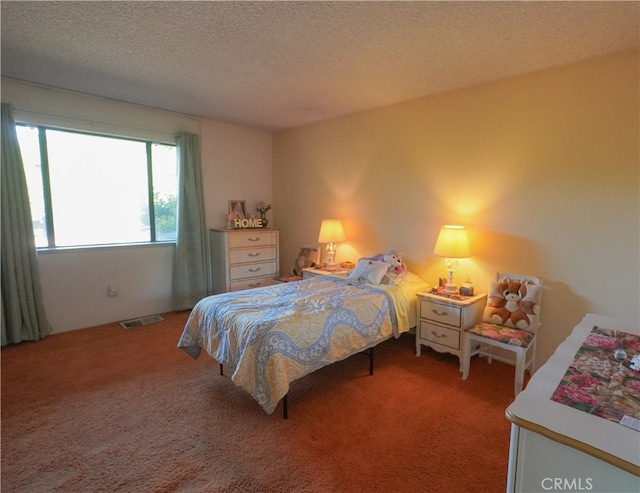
[{"x": 510, "y": 321}]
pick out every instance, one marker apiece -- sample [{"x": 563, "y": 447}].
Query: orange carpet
[{"x": 107, "y": 409}]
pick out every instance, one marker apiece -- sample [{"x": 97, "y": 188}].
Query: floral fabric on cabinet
[{"x": 597, "y": 383}]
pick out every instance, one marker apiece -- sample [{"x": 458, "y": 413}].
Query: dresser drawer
[
  {"x": 252, "y": 270},
  {"x": 252, "y": 238},
  {"x": 441, "y": 313},
  {"x": 255, "y": 282},
  {"x": 244, "y": 255},
  {"x": 440, "y": 335}
]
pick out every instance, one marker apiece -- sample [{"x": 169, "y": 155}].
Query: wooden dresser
[{"x": 243, "y": 258}]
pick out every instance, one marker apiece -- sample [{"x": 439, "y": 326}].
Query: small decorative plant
[{"x": 262, "y": 209}]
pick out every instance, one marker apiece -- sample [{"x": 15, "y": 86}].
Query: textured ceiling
[{"x": 274, "y": 65}]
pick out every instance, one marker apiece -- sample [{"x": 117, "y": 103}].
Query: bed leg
[
  {"x": 221, "y": 369},
  {"x": 371, "y": 361},
  {"x": 285, "y": 413}
]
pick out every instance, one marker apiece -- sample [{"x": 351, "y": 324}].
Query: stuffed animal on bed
[
  {"x": 394, "y": 259},
  {"x": 383, "y": 268}
]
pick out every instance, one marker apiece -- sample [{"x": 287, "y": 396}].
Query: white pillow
[{"x": 369, "y": 271}]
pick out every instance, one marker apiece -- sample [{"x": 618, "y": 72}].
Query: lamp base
[
  {"x": 451, "y": 288},
  {"x": 331, "y": 266},
  {"x": 331, "y": 258}
]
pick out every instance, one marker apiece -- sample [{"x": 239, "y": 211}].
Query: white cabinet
[
  {"x": 555, "y": 447},
  {"x": 539, "y": 464},
  {"x": 441, "y": 321},
  {"x": 244, "y": 258}
]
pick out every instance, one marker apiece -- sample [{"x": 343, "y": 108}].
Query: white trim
[
  {"x": 43, "y": 105},
  {"x": 101, "y": 128}
]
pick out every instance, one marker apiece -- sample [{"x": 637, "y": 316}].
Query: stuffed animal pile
[
  {"x": 383, "y": 268},
  {"x": 392, "y": 257}
]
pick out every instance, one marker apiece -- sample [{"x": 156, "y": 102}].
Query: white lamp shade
[
  {"x": 331, "y": 231},
  {"x": 453, "y": 242}
]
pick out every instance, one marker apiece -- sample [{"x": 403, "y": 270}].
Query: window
[{"x": 88, "y": 189}]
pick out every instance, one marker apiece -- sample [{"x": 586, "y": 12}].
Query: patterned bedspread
[{"x": 274, "y": 335}]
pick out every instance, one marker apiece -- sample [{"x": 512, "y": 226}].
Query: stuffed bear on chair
[{"x": 511, "y": 302}]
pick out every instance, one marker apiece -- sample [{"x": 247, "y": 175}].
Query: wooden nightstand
[
  {"x": 442, "y": 320},
  {"x": 312, "y": 271}
]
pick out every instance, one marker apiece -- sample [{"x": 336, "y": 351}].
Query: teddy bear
[
  {"x": 528, "y": 303},
  {"x": 510, "y": 305},
  {"x": 302, "y": 261}
]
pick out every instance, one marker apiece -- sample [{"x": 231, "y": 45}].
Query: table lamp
[
  {"x": 331, "y": 232},
  {"x": 453, "y": 243}
]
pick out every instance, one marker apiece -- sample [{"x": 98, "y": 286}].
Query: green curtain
[
  {"x": 190, "y": 265},
  {"x": 23, "y": 314}
]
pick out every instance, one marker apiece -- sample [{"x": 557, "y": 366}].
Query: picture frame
[{"x": 238, "y": 209}]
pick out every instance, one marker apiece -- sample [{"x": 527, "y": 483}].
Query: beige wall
[
  {"x": 236, "y": 164},
  {"x": 542, "y": 169}
]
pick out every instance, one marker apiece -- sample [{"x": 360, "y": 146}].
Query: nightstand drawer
[
  {"x": 252, "y": 270},
  {"x": 440, "y": 335},
  {"x": 245, "y": 255},
  {"x": 441, "y": 313}
]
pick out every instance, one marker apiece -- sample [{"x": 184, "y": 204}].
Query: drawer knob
[
  {"x": 255, "y": 285},
  {"x": 257, "y": 238},
  {"x": 439, "y": 336},
  {"x": 256, "y": 254},
  {"x": 439, "y": 314},
  {"x": 255, "y": 269}
]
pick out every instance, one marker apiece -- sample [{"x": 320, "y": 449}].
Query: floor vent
[{"x": 137, "y": 322}]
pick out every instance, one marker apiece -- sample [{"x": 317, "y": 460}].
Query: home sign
[{"x": 245, "y": 223}]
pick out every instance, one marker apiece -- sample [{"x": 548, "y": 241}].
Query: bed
[{"x": 273, "y": 335}]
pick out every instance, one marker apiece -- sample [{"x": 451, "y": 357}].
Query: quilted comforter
[{"x": 274, "y": 335}]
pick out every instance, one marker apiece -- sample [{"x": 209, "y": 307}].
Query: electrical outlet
[{"x": 113, "y": 290}]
